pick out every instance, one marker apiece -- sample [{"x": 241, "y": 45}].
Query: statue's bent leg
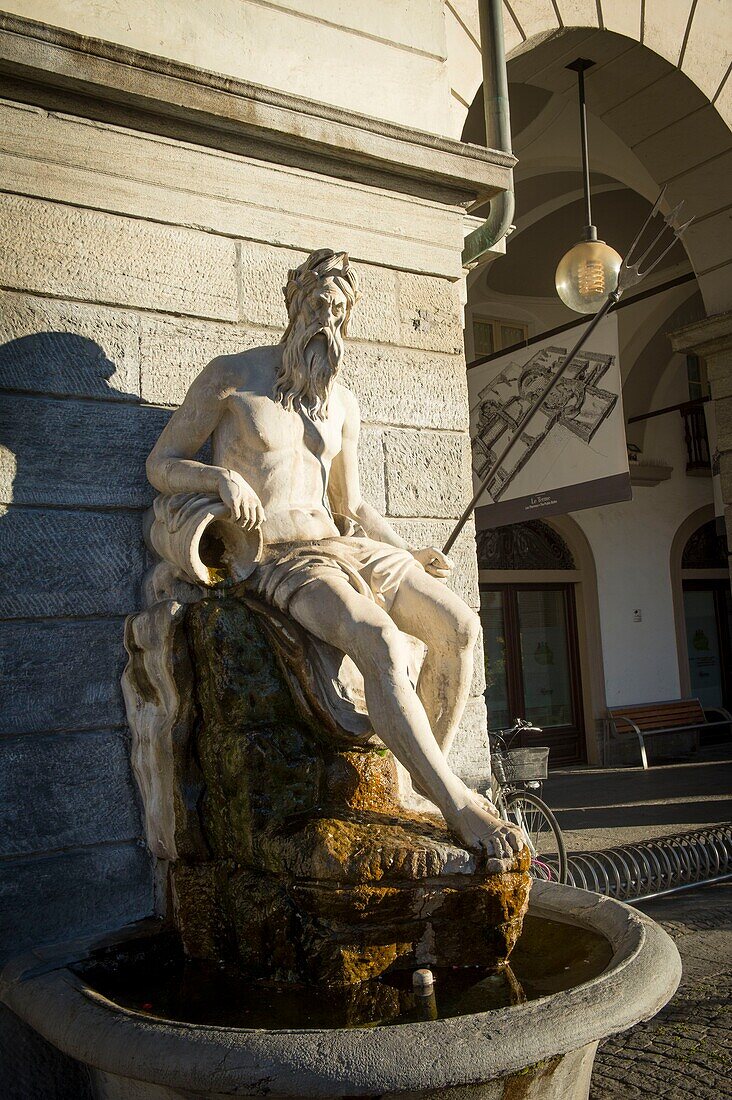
[
  {"x": 336, "y": 613},
  {"x": 427, "y": 609}
]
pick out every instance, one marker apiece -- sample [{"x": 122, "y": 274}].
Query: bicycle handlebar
[{"x": 506, "y": 736}]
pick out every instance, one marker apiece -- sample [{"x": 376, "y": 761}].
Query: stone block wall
[
  {"x": 354, "y": 56},
  {"x": 129, "y": 261}
]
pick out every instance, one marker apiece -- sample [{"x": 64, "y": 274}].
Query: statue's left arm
[{"x": 344, "y": 492}]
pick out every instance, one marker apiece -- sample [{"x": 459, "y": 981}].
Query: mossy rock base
[{"x": 314, "y": 871}]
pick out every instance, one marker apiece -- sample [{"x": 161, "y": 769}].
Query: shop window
[
  {"x": 706, "y": 548},
  {"x": 708, "y": 616},
  {"x": 708, "y": 621},
  {"x": 531, "y": 545},
  {"x": 532, "y": 666}
]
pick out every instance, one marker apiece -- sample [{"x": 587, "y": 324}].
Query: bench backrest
[{"x": 651, "y": 716}]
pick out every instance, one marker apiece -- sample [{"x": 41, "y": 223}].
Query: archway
[
  {"x": 650, "y": 124},
  {"x": 655, "y": 119}
]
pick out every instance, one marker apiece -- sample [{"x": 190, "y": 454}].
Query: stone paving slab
[{"x": 685, "y": 1051}]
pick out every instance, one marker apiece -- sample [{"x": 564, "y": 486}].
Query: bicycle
[{"x": 515, "y": 776}]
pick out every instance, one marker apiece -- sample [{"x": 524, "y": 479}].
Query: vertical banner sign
[{"x": 572, "y": 454}]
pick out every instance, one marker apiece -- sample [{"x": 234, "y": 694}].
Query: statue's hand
[
  {"x": 435, "y": 562},
  {"x": 241, "y": 500}
]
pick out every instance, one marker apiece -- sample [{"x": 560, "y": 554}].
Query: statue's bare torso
[{"x": 283, "y": 455}]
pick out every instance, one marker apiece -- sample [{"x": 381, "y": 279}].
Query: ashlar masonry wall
[{"x": 128, "y": 262}]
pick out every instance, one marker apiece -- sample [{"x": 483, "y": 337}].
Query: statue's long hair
[{"x": 305, "y": 377}]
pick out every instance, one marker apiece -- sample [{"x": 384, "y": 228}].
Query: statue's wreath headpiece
[{"x": 320, "y": 265}]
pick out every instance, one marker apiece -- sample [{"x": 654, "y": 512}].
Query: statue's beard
[{"x": 311, "y": 357}]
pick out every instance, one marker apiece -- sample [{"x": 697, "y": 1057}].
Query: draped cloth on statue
[{"x": 374, "y": 569}]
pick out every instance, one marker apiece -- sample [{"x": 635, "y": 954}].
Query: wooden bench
[{"x": 654, "y": 719}]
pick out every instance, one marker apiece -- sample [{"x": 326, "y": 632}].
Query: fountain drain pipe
[
  {"x": 497, "y": 130},
  {"x": 423, "y": 984}
]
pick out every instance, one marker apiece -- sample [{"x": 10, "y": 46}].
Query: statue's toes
[
  {"x": 500, "y": 846},
  {"x": 495, "y": 866}
]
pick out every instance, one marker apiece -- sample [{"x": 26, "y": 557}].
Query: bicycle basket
[{"x": 520, "y": 764}]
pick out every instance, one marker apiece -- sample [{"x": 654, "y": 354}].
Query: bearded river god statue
[{"x": 291, "y": 643}]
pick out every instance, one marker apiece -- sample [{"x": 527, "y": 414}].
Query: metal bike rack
[{"x": 665, "y": 865}]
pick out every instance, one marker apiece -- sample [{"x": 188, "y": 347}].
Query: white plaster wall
[
  {"x": 384, "y": 58},
  {"x": 631, "y": 542}
]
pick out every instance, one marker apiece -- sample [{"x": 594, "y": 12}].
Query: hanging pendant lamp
[{"x": 589, "y": 271}]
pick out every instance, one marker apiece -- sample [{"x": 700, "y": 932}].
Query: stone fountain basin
[{"x": 540, "y": 1049}]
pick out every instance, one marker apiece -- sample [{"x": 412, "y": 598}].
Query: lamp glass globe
[{"x": 586, "y": 275}]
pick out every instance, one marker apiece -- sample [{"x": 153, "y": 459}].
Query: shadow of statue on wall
[
  {"x": 58, "y": 363},
  {"x": 72, "y": 450},
  {"x": 72, "y": 494}
]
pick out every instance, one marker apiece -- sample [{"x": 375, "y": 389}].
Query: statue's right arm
[{"x": 171, "y": 467}]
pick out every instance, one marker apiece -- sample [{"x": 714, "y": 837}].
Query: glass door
[
  {"x": 708, "y": 618},
  {"x": 545, "y": 660},
  {"x": 532, "y": 663},
  {"x": 493, "y": 619}
]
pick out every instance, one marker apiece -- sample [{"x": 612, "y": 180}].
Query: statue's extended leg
[
  {"x": 336, "y": 613},
  {"x": 427, "y": 609}
]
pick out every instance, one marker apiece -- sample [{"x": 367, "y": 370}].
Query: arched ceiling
[
  {"x": 651, "y": 361},
  {"x": 629, "y": 96},
  {"x": 532, "y": 256},
  {"x": 650, "y": 125},
  {"x": 535, "y": 191}
]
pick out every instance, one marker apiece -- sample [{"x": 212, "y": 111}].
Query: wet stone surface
[
  {"x": 297, "y": 861},
  {"x": 685, "y": 1052}
]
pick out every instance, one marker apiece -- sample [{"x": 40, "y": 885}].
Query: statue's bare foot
[{"x": 480, "y": 828}]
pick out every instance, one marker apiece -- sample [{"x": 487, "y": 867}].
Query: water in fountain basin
[{"x": 152, "y": 976}]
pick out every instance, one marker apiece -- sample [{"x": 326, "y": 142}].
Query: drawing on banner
[
  {"x": 576, "y": 403},
  {"x": 572, "y": 453}
]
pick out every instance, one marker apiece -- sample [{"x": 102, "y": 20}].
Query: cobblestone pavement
[{"x": 685, "y": 1052}]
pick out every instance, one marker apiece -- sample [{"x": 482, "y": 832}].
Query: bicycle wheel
[{"x": 548, "y": 854}]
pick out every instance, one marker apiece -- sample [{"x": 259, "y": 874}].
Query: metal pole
[
  {"x": 580, "y": 66},
  {"x": 583, "y": 142},
  {"x": 612, "y": 298}
]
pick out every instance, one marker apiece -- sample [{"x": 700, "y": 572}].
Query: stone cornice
[
  {"x": 711, "y": 335},
  {"x": 63, "y": 70}
]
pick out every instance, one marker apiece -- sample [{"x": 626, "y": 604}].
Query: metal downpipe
[{"x": 497, "y": 129}]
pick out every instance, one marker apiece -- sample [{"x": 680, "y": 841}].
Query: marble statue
[{"x": 284, "y": 434}]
